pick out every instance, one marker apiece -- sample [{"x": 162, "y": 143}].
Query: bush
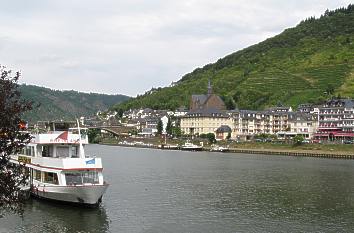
[{"x": 298, "y": 140}]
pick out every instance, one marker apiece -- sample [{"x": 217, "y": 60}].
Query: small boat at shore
[
  {"x": 60, "y": 170},
  {"x": 168, "y": 147},
  {"x": 191, "y": 147},
  {"x": 216, "y": 148}
]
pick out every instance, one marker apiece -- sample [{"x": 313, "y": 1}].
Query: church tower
[{"x": 210, "y": 90}]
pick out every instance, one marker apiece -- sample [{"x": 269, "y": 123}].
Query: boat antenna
[{"x": 81, "y": 148}]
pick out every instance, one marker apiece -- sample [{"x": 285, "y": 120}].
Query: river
[{"x": 173, "y": 191}]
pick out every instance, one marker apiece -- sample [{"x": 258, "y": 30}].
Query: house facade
[
  {"x": 336, "y": 120},
  {"x": 204, "y": 121},
  {"x": 206, "y": 114}
]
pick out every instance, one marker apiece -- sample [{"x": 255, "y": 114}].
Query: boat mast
[{"x": 81, "y": 148}]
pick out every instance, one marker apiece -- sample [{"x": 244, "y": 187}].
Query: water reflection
[
  {"x": 45, "y": 216},
  {"x": 172, "y": 191}
]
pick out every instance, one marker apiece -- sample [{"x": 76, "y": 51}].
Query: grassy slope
[
  {"x": 65, "y": 105},
  {"x": 299, "y": 65}
]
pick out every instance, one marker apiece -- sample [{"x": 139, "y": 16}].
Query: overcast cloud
[{"x": 127, "y": 47}]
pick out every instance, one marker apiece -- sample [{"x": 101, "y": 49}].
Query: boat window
[
  {"x": 28, "y": 150},
  {"x": 62, "y": 151},
  {"x": 51, "y": 178},
  {"x": 90, "y": 177},
  {"x": 47, "y": 151},
  {"x": 37, "y": 175},
  {"x": 86, "y": 177},
  {"x": 74, "y": 153},
  {"x": 73, "y": 178},
  {"x": 32, "y": 151}
]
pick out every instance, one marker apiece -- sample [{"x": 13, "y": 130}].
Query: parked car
[
  {"x": 317, "y": 141},
  {"x": 348, "y": 142}
]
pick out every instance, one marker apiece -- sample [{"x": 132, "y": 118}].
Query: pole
[{"x": 81, "y": 148}]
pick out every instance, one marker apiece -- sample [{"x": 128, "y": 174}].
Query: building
[
  {"x": 336, "y": 120},
  {"x": 204, "y": 121},
  {"x": 333, "y": 120},
  {"x": 223, "y": 132},
  {"x": 207, "y": 102},
  {"x": 206, "y": 114},
  {"x": 299, "y": 124}
]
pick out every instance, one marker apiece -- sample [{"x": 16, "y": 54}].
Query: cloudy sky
[{"x": 128, "y": 47}]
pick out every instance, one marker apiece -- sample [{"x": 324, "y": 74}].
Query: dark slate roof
[
  {"x": 199, "y": 98},
  {"x": 279, "y": 109},
  {"x": 147, "y": 110},
  {"x": 347, "y": 103},
  {"x": 147, "y": 130},
  {"x": 300, "y": 116},
  {"x": 210, "y": 112},
  {"x": 224, "y": 129}
]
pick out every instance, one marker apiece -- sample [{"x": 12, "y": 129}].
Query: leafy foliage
[
  {"x": 159, "y": 127},
  {"x": 307, "y": 63},
  {"x": 12, "y": 140},
  {"x": 66, "y": 105},
  {"x": 94, "y": 135},
  {"x": 176, "y": 131},
  {"x": 298, "y": 140},
  {"x": 209, "y": 136},
  {"x": 169, "y": 126}
]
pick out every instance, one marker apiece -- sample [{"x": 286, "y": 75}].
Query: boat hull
[
  {"x": 87, "y": 195},
  {"x": 219, "y": 150},
  {"x": 192, "y": 148}
]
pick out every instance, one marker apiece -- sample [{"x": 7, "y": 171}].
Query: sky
[{"x": 128, "y": 47}]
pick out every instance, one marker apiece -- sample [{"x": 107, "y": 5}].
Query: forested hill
[
  {"x": 66, "y": 105},
  {"x": 307, "y": 63}
]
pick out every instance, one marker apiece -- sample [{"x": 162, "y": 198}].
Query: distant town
[{"x": 332, "y": 121}]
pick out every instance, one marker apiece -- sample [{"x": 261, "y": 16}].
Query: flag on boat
[
  {"x": 91, "y": 161},
  {"x": 63, "y": 136}
]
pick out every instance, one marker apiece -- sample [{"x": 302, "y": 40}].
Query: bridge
[{"x": 115, "y": 130}]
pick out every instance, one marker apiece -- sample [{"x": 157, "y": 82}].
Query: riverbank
[
  {"x": 338, "y": 151},
  {"x": 298, "y": 153}
]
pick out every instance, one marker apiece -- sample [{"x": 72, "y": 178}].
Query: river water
[{"x": 174, "y": 191}]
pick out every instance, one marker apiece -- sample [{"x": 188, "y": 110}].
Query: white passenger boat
[
  {"x": 190, "y": 146},
  {"x": 59, "y": 169},
  {"x": 216, "y": 148}
]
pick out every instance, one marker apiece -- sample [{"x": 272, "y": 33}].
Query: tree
[
  {"x": 229, "y": 103},
  {"x": 169, "y": 126},
  {"x": 176, "y": 131},
  {"x": 211, "y": 137},
  {"x": 12, "y": 140},
  {"x": 298, "y": 140},
  {"x": 93, "y": 135},
  {"x": 159, "y": 127},
  {"x": 120, "y": 113}
]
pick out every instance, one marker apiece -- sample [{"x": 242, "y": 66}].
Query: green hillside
[
  {"x": 307, "y": 63},
  {"x": 66, "y": 105}
]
